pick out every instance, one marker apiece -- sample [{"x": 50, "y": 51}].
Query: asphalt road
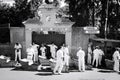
[{"x": 95, "y": 74}]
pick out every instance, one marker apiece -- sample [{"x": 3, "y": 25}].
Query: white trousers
[
  {"x": 58, "y": 67},
  {"x": 30, "y": 57},
  {"x": 95, "y": 59},
  {"x": 100, "y": 59},
  {"x": 36, "y": 56},
  {"x": 17, "y": 55},
  {"x": 66, "y": 60},
  {"x": 89, "y": 58},
  {"x": 53, "y": 55},
  {"x": 43, "y": 54},
  {"x": 116, "y": 66},
  {"x": 81, "y": 64}
]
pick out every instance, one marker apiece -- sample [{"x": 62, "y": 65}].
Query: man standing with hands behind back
[{"x": 81, "y": 59}]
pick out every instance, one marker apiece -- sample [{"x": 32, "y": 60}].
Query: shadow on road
[
  {"x": 44, "y": 74},
  {"x": 22, "y": 69},
  {"x": 106, "y": 71},
  {"x": 118, "y": 72}
]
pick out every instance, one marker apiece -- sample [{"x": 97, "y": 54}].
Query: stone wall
[
  {"x": 79, "y": 39},
  {"x": 17, "y": 34}
]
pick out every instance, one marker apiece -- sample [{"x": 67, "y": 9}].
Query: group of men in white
[
  {"x": 61, "y": 56},
  {"x": 62, "y": 59},
  {"x": 98, "y": 55},
  {"x": 32, "y": 53}
]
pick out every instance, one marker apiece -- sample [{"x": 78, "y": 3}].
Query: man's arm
[
  {"x": 77, "y": 54},
  {"x": 49, "y": 45},
  {"x": 20, "y": 46},
  {"x": 56, "y": 47},
  {"x": 14, "y": 46}
]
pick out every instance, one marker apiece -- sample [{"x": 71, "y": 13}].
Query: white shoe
[
  {"x": 59, "y": 73},
  {"x": 54, "y": 73}
]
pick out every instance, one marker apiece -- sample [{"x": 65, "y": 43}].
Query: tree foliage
[
  {"x": 79, "y": 9},
  {"x": 94, "y": 13},
  {"x": 21, "y": 11},
  {"x": 4, "y": 13}
]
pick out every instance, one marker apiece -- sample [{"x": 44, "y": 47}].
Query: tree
[
  {"x": 79, "y": 9},
  {"x": 4, "y": 31},
  {"x": 24, "y": 9},
  {"x": 94, "y": 13},
  {"x": 21, "y": 11},
  {"x": 113, "y": 19},
  {"x": 4, "y": 13}
]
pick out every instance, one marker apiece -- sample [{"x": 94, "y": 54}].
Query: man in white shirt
[
  {"x": 66, "y": 57},
  {"x": 43, "y": 50},
  {"x": 116, "y": 57},
  {"x": 17, "y": 48},
  {"x": 96, "y": 53},
  {"x": 81, "y": 59},
  {"x": 101, "y": 53},
  {"x": 59, "y": 61},
  {"x": 35, "y": 47},
  {"x": 53, "y": 48},
  {"x": 30, "y": 55}
]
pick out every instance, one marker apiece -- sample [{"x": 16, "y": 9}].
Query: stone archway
[{"x": 48, "y": 21}]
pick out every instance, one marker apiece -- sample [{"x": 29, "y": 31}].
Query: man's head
[
  {"x": 17, "y": 43},
  {"x": 80, "y": 48},
  {"x": 97, "y": 47},
  {"x": 60, "y": 47},
  {"x": 52, "y": 43},
  {"x": 42, "y": 45},
  {"x": 117, "y": 48},
  {"x": 30, "y": 45},
  {"x": 63, "y": 45},
  {"x": 33, "y": 43}
]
